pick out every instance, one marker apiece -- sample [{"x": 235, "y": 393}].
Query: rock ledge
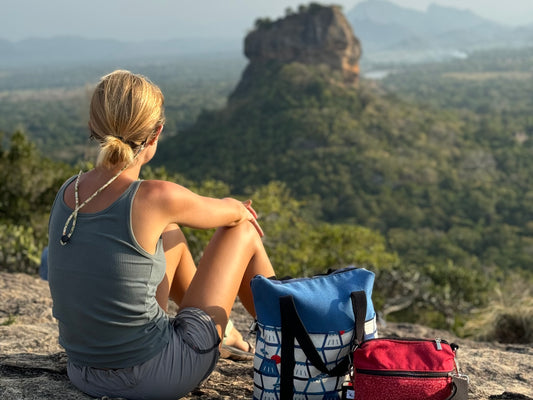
[{"x": 33, "y": 365}]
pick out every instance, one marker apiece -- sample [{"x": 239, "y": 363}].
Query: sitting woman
[{"x": 117, "y": 254}]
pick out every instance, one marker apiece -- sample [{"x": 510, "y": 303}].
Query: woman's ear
[{"x": 156, "y": 135}]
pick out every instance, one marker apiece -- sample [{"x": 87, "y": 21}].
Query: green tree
[{"x": 29, "y": 183}]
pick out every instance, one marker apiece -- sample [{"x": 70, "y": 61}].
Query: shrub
[
  {"x": 509, "y": 316},
  {"x": 19, "y": 251},
  {"x": 514, "y": 326}
]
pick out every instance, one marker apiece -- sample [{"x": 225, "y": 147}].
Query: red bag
[{"x": 404, "y": 369}]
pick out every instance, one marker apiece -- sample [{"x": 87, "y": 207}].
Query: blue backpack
[{"x": 307, "y": 328}]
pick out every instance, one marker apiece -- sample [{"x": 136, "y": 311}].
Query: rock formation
[
  {"x": 33, "y": 366},
  {"x": 316, "y": 35}
]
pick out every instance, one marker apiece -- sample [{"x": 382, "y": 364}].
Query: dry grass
[{"x": 509, "y": 317}]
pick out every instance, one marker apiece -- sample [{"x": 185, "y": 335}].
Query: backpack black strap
[
  {"x": 292, "y": 328},
  {"x": 359, "y": 312}
]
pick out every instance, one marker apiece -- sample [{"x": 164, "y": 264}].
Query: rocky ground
[{"x": 33, "y": 366}]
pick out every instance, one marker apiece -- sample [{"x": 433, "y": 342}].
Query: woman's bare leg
[
  {"x": 180, "y": 267},
  {"x": 179, "y": 274},
  {"x": 232, "y": 258}
]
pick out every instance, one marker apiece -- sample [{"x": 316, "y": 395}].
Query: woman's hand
[
  {"x": 248, "y": 205},
  {"x": 248, "y": 214}
]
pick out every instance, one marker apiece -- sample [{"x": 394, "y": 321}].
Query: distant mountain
[
  {"x": 390, "y": 32},
  {"x": 440, "y": 184},
  {"x": 75, "y": 49}
]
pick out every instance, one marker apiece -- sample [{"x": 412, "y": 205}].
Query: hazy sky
[{"x": 134, "y": 20}]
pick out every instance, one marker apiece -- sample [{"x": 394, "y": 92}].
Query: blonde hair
[{"x": 126, "y": 111}]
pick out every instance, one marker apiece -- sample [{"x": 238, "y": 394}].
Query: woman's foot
[{"x": 234, "y": 347}]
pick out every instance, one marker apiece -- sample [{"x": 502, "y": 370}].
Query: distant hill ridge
[
  {"x": 385, "y": 27},
  {"x": 388, "y": 32},
  {"x": 76, "y": 49},
  {"x": 437, "y": 19}
]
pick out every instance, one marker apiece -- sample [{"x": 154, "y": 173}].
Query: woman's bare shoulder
[{"x": 163, "y": 191}]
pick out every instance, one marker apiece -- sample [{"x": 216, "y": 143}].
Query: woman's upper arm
[{"x": 184, "y": 207}]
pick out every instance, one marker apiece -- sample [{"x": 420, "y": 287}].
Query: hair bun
[{"x": 125, "y": 109}]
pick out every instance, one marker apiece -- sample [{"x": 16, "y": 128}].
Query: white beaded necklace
[{"x": 65, "y": 238}]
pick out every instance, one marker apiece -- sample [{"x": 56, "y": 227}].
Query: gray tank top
[{"x": 103, "y": 286}]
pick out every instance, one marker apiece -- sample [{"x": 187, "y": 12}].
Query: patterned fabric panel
[{"x": 309, "y": 382}]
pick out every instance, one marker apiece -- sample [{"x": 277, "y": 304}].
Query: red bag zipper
[
  {"x": 438, "y": 346},
  {"x": 404, "y": 374}
]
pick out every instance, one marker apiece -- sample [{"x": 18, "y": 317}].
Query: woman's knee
[{"x": 247, "y": 233}]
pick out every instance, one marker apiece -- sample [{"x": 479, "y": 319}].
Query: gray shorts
[{"x": 188, "y": 359}]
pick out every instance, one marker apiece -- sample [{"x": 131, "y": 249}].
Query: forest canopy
[
  {"x": 441, "y": 184},
  {"x": 424, "y": 177}
]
